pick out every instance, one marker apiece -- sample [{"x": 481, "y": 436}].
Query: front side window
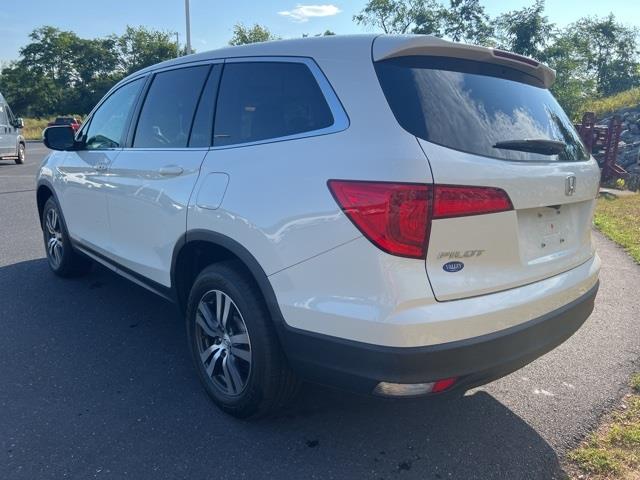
[
  {"x": 478, "y": 108},
  {"x": 109, "y": 122},
  {"x": 268, "y": 100},
  {"x": 169, "y": 108}
]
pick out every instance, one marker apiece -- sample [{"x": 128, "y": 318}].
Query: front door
[{"x": 83, "y": 175}]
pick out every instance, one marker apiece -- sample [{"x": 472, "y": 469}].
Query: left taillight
[{"x": 394, "y": 216}]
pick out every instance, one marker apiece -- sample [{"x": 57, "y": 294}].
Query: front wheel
[
  {"x": 233, "y": 344},
  {"x": 63, "y": 260},
  {"x": 21, "y": 154}
]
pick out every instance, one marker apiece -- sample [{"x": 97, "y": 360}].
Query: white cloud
[{"x": 302, "y": 13}]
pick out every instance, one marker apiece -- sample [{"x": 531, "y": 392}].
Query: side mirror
[
  {"x": 19, "y": 123},
  {"x": 59, "y": 138}
]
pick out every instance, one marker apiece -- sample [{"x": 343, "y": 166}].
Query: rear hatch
[{"x": 490, "y": 125}]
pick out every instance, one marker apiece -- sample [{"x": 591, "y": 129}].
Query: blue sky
[{"x": 212, "y": 20}]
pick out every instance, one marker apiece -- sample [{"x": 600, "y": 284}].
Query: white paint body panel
[
  {"x": 359, "y": 293},
  {"x": 148, "y": 207},
  {"x": 81, "y": 187},
  {"x": 529, "y": 243}
]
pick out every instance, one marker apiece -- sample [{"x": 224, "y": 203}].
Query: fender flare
[{"x": 253, "y": 266}]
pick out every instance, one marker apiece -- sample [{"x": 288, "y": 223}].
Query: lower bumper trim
[{"x": 360, "y": 366}]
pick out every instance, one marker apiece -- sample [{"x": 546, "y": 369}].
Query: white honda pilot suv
[{"x": 396, "y": 215}]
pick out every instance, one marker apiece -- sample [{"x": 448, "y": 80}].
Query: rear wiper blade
[{"x": 533, "y": 145}]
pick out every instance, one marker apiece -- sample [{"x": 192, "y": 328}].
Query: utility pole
[{"x": 186, "y": 11}]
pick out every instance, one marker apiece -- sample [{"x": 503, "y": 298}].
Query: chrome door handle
[
  {"x": 171, "y": 171},
  {"x": 102, "y": 166}
]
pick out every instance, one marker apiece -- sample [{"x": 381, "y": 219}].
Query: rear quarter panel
[{"x": 277, "y": 203}]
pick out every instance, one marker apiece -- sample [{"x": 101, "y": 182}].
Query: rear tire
[
  {"x": 63, "y": 260},
  {"x": 238, "y": 357},
  {"x": 21, "y": 154}
]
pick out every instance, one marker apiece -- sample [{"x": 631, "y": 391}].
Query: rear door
[
  {"x": 152, "y": 179},
  {"x": 490, "y": 126}
]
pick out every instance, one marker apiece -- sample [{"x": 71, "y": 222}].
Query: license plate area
[{"x": 547, "y": 232}]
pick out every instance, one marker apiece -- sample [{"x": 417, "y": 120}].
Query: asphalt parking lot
[{"x": 96, "y": 381}]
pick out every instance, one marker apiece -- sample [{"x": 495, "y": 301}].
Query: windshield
[{"x": 477, "y": 107}]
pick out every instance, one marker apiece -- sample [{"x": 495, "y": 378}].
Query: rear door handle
[{"x": 171, "y": 171}]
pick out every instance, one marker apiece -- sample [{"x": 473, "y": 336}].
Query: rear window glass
[
  {"x": 473, "y": 106},
  {"x": 265, "y": 100}
]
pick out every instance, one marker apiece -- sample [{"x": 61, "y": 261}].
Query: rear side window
[
  {"x": 267, "y": 100},
  {"x": 168, "y": 110},
  {"x": 476, "y": 107}
]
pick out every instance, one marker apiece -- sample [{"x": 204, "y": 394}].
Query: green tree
[
  {"x": 466, "y": 21},
  {"x": 462, "y": 20},
  {"x": 610, "y": 51},
  {"x": 401, "y": 16},
  {"x": 140, "y": 47},
  {"x": 59, "y": 72},
  {"x": 574, "y": 84},
  {"x": 526, "y": 31},
  {"x": 243, "y": 35}
]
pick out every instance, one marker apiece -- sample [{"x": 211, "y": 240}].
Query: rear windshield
[{"x": 472, "y": 106}]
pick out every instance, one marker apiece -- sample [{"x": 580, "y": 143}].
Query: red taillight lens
[
  {"x": 394, "y": 216},
  {"x": 459, "y": 201}
]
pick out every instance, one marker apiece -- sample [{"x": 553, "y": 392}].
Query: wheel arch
[
  {"x": 43, "y": 193},
  {"x": 198, "y": 249}
]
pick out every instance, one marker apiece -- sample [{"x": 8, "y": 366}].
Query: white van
[{"x": 12, "y": 144}]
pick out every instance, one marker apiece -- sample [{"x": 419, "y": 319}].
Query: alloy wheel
[
  {"x": 223, "y": 342},
  {"x": 53, "y": 231}
]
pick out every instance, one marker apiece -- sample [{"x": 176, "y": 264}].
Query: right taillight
[
  {"x": 396, "y": 217},
  {"x": 462, "y": 201}
]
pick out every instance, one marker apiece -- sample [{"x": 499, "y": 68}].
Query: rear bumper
[{"x": 360, "y": 366}]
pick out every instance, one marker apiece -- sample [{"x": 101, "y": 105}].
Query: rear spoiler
[{"x": 391, "y": 46}]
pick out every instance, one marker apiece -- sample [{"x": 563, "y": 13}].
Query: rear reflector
[
  {"x": 388, "y": 389},
  {"x": 396, "y": 217}
]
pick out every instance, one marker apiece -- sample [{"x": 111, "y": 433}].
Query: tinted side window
[
  {"x": 109, "y": 122},
  {"x": 263, "y": 100},
  {"x": 3, "y": 116},
  {"x": 166, "y": 117},
  {"x": 202, "y": 130}
]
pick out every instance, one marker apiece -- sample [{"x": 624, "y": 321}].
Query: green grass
[
  {"x": 613, "y": 451},
  {"x": 635, "y": 382},
  {"x": 619, "y": 219},
  {"x": 605, "y": 105},
  {"x": 595, "y": 460},
  {"x": 33, "y": 127}
]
